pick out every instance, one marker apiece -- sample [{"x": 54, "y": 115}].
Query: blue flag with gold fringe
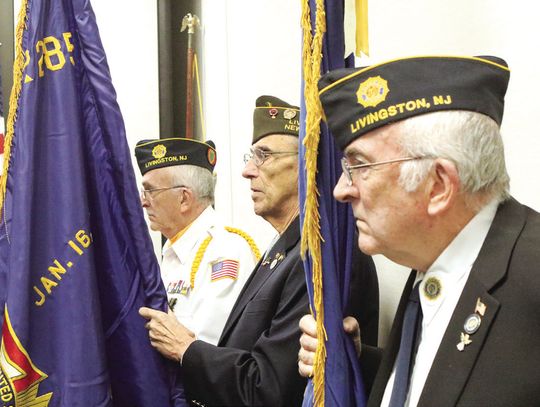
[
  {"x": 328, "y": 228},
  {"x": 74, "y": 245}
]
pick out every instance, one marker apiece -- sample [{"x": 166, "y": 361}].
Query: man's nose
[
  {"x": 343, "y": 192},
  {"x": 250, "y": 170}
]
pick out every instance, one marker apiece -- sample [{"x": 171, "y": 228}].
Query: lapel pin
[
  {"x": 465, "y": 340},
  {"x": 432, "y": 288},
  {"x": 277, "y": 258},
  {"x": 472, "y": 323},
  {"x": 480, "y": 307}
]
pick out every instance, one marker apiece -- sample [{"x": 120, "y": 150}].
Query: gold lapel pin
[
  {"x": 480, "y": 307},
  {"x": 465, "y": 340}
]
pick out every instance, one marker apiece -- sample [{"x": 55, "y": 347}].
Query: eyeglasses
[
  {"x": 347, "y": 168},
  {"x": 148, "y": 194},
  {"x": 260, "y": 156}
]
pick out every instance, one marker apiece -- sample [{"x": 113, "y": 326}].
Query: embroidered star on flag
[{"x": 225, "y": 269}]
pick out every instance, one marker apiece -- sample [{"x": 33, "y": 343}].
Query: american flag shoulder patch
[{"x": 225, "y": 269}]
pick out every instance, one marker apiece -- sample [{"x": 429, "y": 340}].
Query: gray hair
[
  {"x": 201, "y": 181},
  {"x": 471, "y": 140}
]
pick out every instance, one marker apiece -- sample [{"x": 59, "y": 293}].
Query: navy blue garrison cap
[{"x": 358, "y": 100}]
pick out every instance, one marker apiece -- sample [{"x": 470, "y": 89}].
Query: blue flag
[
  {"x": 340, "y": 382},
  {"x": 77, "y": 258}
]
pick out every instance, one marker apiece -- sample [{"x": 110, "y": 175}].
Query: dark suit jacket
[
  {"x": 501, "y": 366},
  {"x": 255, "y": 362}
]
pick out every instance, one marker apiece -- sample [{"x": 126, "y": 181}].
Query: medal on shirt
[{"x": 179, "y": 287}]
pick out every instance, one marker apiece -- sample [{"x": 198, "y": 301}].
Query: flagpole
[{"x": 189, "y": 22}]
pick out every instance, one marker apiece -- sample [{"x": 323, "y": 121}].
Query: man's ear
[
  {"x": 185, "y": 199},
  {"x": 444, "y": 188}
]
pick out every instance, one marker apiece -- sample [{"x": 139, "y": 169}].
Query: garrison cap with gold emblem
[
  {"x": 274, "y": 116},
  {"x": 166, "y": 152},
  {"x": 358, "y": 100}
]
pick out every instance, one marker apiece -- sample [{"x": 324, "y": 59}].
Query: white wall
[{"x": 253, "y": 48}]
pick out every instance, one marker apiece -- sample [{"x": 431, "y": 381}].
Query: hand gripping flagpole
[{"x": 189, "y": 22}]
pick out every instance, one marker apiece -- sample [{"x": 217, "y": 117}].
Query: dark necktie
[{"x": 412, "y": 323}]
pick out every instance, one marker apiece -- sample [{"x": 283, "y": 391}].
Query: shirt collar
[
  {"x": 184, "y": 245},
  {"x": 454, "y": 264}
]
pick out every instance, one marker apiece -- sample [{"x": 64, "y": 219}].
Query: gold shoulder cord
[
  {"x": 197, "y": 260},
  {"x": 202, "y": 249},
  {"x": 248, "y": 239}
]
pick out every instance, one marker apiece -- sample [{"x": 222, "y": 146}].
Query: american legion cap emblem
[{"x": 372, "y": 91}]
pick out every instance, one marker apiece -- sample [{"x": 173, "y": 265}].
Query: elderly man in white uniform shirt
[{"x": 205, "y": 263}]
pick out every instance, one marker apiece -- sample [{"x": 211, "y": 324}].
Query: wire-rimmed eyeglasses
[
  {"x": 147, "y": 194},
  {"x": 259, "y": 156},
  {"x": 347, "y": 168}
]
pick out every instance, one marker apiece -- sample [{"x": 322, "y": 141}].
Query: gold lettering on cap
[
  {"x": 292, "y": 127},
  {"x": 441, "y": 100},
  {"x": 390, "y": 111}
]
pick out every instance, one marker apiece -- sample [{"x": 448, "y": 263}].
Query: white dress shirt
[
  {"x": 205, "y": 308},
  {"x": 452, "y": 269}
]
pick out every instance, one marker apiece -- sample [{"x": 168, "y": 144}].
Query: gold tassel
[
  {"x": 362, "y": 36},
  {"x": 311, "y": 231},
  {"x": 18, "y": 67}
]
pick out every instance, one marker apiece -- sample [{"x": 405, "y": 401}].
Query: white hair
[
  {"x": 471, "y": 140},
  {"x": 201, "y": 181}
]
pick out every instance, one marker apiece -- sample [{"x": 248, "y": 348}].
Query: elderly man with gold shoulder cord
[
  {"x": 254, "y": 361},
  {"x": 424, "y": 172},
  {"x": 205, "y": 263}
]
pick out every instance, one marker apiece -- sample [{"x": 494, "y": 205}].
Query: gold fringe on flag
[
  {"x": 311, "y": 231},
  {"x": 18, "y": 67}
]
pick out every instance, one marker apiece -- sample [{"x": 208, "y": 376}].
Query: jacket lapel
[
  {"x": 261, "y": 273},
  {"x": 452, "y": 367}
]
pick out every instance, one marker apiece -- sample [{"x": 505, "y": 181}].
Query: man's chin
[{"x": 367, "y": 246}]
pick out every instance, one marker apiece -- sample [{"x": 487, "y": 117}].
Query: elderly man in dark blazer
[
  {"x": 254, "y": 362},
  {"x": 424, "y": 172}
]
